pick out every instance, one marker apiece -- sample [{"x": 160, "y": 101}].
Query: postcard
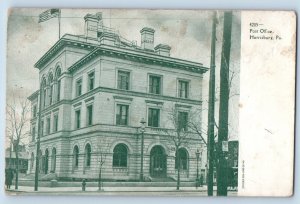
[{"x": 150, "y": 102}]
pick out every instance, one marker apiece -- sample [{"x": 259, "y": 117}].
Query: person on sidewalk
[{"x": 9, "y": 175}]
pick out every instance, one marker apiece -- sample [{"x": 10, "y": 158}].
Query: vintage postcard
[{"x": 150, "y": 102}]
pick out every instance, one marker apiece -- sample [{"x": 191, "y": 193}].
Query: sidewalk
[{"x": 156, "y": 191}]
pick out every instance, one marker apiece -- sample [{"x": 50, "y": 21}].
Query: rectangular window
[
  {"x": 89, "y": 111},
  {"x": 183, "y": 89},
  {"x": 55, "y": 123},
  {"x": 91, "y": 79},
  {"x": 77, "y": 119},
  {"x": 155, "y": 84},
  {"x": 33, "y": 134},
  {"x": 123, "y": 80},
  {"x": 153, "y": 117},
  {"x": 78, "y": 87},
  {"x": 182, "y": 121},
  {"x": 48, "y": 126},
  {"x": 122, "y": 114}
]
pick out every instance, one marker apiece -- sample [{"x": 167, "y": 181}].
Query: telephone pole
[
  {"x": 37, "y": 156},
  {"x": 222, "y": 147},
  {"x": 211, "y": 111}
]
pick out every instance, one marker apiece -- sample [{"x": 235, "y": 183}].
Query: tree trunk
[
  {"x": 17, "y": 166},
  {"x": 178, "y": 171}
]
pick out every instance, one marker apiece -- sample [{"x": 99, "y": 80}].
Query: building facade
[
  {"x": 96, "y": 89},
  {"x": 11, "y": 160}
]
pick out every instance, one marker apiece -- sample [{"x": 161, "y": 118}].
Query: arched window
[
  {"x": 44, "y": 92},
  {"x": 75, "y": 157},
  {"x": 53, "y": 160},
  {"x": 31, "y": 161},
  {"x": 182, "y": 158},
  {"x": 87, "y": 155},
  {"x": 120, "y": 156},
  {"x": 58, "y": 81},
  {"x": 46, "y": 161},
  {"x": 50, "y": 90}
]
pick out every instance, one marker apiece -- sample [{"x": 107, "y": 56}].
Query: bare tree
[
  {"x": 179, "y": 136},
  {"x": 102, "y": 152},
  {"x": 17, "y": 123}
]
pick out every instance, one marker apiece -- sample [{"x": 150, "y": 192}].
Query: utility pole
[
  {"x": 211, "y": 111},
  {"x": 37, "y": 160},
  {"x": 222, "y": 148}
]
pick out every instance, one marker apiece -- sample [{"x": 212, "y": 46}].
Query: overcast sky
[{"x": 187, "y": 32}]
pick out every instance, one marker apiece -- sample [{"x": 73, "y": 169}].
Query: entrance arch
[{"x": 158, "y": 162}]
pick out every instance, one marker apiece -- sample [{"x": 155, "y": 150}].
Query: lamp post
[
  {"x": 143, "y": 122},
  {"x": 197, "y": 156}
]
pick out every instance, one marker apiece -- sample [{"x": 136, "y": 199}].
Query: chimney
[
  {"x": 147, "y": 38},
  {"x": 92, "y": 21},
  {"x": 163, "y": 50}
]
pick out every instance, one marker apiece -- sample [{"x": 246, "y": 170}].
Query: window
[
  {"x": 155, "y": 84},
  {"x": 42, "y": 128},
  {"x": 55, "y": 123},
  {"x": 78, "y": 87},
  {"x": 53, "y": 160},
  {"x": 50, "y": 88},
  {"x": 50, "y": 93},
  {"x": 57, "y": 76},
  {"x": 91, "y": 79},
  {"x": 75, "y": 157},
  {"x": 120, "y": 156},
  {"x": 77, "y": 119},
  {"x": 48, "y": 126},
  {"x": 153, "y": 117},
  {"x": 89, "y": 111},
  {"x": 33, "y": 134},
  {"x": 34, "y": 111},
  {"x": 183, "y": 89},
  {"x": 87, "y": 155},
  {"x": 122, "y": 115},
  {"x": 182, "y": 158},
  {"x": 123, "y": 80},
  {"x": 182, "y": 121},
  {"x": 58, "y": 90},
  {"x": 44, "y": 97}
]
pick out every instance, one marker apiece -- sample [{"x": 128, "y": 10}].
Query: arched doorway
[{"x": 158, "y": 162}]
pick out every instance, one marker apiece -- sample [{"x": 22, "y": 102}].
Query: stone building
[{"x": 96, "y": 89}]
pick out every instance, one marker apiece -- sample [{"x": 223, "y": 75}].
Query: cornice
[
  {"x": 66, "y": 40},
  {"x": 139, "y": 56}
]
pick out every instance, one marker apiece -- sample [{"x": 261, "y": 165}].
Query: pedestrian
[
  {"x": 83, "y": 184},
  {"x": 201, "y": 180},
  {"x": 9, "y": 175}
]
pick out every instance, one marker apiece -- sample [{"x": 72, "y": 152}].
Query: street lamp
[
  {"x": 197, "y": 156},
  {"x": 143, "y": 122}
]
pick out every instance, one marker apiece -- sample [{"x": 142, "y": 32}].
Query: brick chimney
[
  {"x": 92, "y": 22},
  {"x": 163, "y": 50},
  {"x": 147, "y": 38}
]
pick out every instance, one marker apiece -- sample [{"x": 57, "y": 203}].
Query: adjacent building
[
  {"x": 11, "y": 160},
  {"x": 103, "y": 96}
]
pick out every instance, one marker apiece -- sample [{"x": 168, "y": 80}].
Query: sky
[{"x": 187, "y": 32}]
